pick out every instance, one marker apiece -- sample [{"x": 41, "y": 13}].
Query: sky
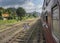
[{"x": 28, "y": 5}]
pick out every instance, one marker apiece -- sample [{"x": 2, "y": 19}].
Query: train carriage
[{"x": 51, "y": 16}]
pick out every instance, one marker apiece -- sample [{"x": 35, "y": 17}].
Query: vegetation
[
  {"x": 20, "y": 12},
  {"x": 4, "y": 22},
  {"x": 14, "y": 15},
  {"x": 1, "y": 11}
]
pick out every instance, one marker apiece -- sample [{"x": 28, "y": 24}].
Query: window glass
[{"x": 56, "y": 21}]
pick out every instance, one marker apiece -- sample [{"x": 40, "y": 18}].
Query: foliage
[
  {"x": 7, "y": 22},
  {"x": 17, "y": 14},
  {"x": 20, "y": 12},
  {"x": 34, "y": 14},
  {"x": 1, "y": 11},
  {"x": 12, "y": 13}
]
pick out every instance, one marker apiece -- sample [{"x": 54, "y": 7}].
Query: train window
[{"x": 56, "y": 20}]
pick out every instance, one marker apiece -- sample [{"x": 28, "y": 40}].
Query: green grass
[
  {"x": 6, "y": 23},
  {"x": 3, "y": 22}
]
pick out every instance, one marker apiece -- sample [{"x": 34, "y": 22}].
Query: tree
[
  {"x": 1, "y": 11},
  {"x": 11, "y": 12},
  {"x": 34, "y": 14},
  {"x": 20, "y": 12}
]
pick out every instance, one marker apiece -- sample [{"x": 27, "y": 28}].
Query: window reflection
[{"x": 56, "y": 20}]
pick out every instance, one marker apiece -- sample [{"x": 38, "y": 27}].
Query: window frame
[
  {"x": 56, "y": 5},
  {"x": 47, "y": 2}
]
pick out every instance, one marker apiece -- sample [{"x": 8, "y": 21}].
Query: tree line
[{"x": 13, "y": 13}]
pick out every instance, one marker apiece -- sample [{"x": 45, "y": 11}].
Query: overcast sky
[{"x": 28, "y": 5}]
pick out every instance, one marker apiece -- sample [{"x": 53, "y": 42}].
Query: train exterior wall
[{"x": 48, "y": 7}]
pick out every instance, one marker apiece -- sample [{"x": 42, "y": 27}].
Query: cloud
[
  {"x": 39, "y": 8},
  {"x": 11, "y": 2},
  {"x": 0, "y": 0},
  {"x": 29, "y": 6}
]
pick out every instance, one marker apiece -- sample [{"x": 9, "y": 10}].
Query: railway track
[
  {"x": 22, "y": 36},
  {"x": 8, "y": 34},
  {"x": 33, "y": 35},
  {"x": 37, "y": 35},
  {"x": 18, "y": 35}
]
